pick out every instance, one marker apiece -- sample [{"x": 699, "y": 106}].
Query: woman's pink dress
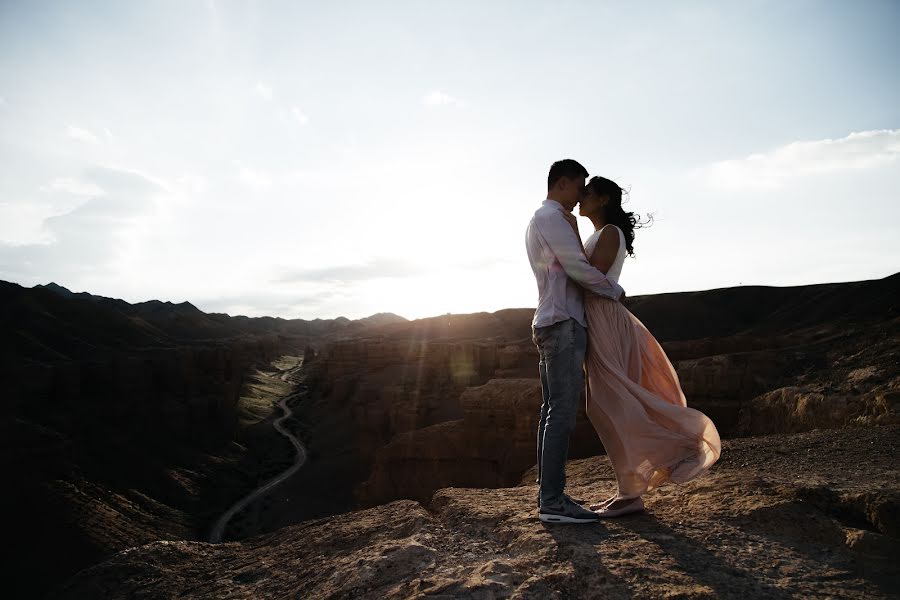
[{"x": 635, "y": 402}]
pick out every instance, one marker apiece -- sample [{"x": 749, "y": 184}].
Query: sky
[{"x": 309, "y": 159}]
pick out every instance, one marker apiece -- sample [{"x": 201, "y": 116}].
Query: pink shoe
[
  {"x": 603, "y": 504},
  {"x": 637, "y": 505}
]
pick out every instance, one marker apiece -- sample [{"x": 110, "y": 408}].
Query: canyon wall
[
  {"x": 388, "y": 387},
  {"x": 454, "y": 400},
  {"x": 186, "y": 392},
  {"x": 490, "y": 446},
  {"x": 118, "y": 451},
  {"x": 119, "y": 421}
]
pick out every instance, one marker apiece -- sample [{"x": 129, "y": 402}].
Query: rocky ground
[{"x": 779, "y": 516}]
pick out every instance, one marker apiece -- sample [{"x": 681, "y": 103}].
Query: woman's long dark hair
[{"x": 614, "y": 213}]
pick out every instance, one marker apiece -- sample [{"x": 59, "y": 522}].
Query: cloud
[
  {"x": 485, "y": 263},
  {"x": 438, "y": 98},
  {"x": 253, "y": 178},
  {"x": 858, "y": 150},
  {"x": 382, "y": 268},
  {"x": 263, "y": 90},
  {"x": 272, "y": 303},
  {"x": 71, "y": 185},
  {"x": 86, "y": 239},
  {"x": 117, "y": 180},
  {"x": 191, "y": 184},
  {"x": 21, "y": 223},
  {"x": 299, "y": 115},
  {"x": 82, "y": 135}
]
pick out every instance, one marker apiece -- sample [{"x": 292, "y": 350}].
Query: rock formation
[
  {"x": 309, "y": 355},
  {"x": 490, "y": 446},
  {"x": 454, "y": 400}
]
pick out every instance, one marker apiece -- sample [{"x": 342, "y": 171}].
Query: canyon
[
  {"x": 131, "y": 428},
  {"x": 127, "y": 423},
  {"x": 453, "y": 401}
]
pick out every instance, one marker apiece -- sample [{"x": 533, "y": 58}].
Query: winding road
[{"x": 219, "y": 529}]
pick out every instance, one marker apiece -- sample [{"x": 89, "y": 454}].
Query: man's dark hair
[{"x": 565, "y": 168}]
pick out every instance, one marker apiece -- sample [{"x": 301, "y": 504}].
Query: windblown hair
[
  {"x": 614, "y": 213},
  {"x": 565, "y": 168}
]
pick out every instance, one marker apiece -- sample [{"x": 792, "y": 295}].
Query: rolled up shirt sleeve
[{"x": 563, "y": 242}]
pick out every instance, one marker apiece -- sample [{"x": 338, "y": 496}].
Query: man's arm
[{"x": 563, "y": 242}]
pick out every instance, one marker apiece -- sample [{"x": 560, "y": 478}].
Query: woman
[{"x": 634, "y": 400}]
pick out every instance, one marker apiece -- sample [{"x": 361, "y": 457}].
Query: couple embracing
[{"x": 584, "y": 334}]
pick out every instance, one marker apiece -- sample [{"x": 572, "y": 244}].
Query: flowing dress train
[{"x": 635, "y": 402}]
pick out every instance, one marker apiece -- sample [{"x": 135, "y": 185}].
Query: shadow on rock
[
  {"x": 590, "y": 577},
  {"x": 705, "y": 566}
]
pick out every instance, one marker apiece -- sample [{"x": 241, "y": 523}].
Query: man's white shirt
[{"x": 561, "y": 268}]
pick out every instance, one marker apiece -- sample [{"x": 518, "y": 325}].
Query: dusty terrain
[{"x": 779, "y": 516}]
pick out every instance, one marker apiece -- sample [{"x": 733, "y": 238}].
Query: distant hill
[
  {"x": 676, "y": 316},
  {"x": 50, "y": 322},
  {"x": 383, "y": 318}
]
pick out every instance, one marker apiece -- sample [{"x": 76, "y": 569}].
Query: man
[{"x": 559, "y": 331}]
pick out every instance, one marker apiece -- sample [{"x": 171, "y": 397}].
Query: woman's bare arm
[{"x": 606, "y": 250}]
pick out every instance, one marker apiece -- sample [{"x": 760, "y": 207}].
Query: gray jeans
[{"x": 561, "y": 347}]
